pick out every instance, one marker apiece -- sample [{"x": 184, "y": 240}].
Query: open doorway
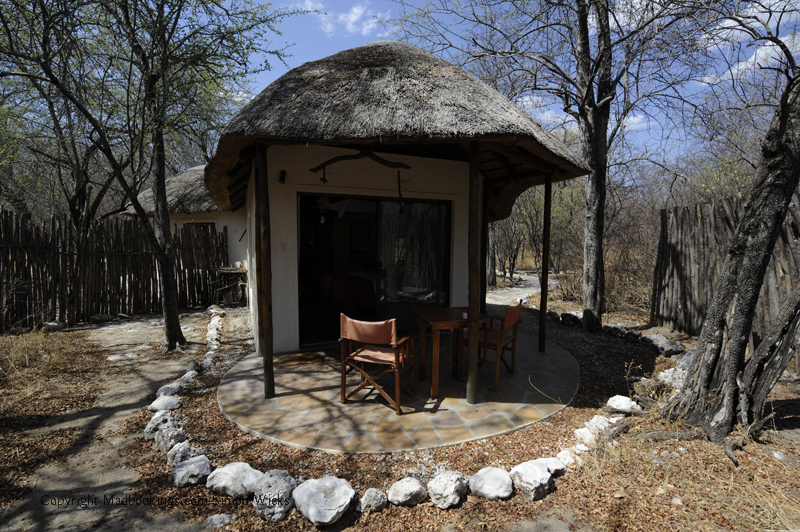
[
  {"x": 371, "y": 259},
  {"x": 337, "y": 263}
]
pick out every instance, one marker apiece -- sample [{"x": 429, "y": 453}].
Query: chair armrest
[
  {"x": 494, "y": 336},
  {"x": 405, "y": 339},
  {"x": 491, "y": 318},
  {"x": 407, "y": 349}
]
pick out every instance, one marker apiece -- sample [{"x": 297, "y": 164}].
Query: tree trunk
[
  {"x": 165, "y": 255},
  {"x": 720, "y": 378},
  {"x": 595, "y": 113},
  {"x": 769, "y": 361},
  {"x": 593, "y": 288}
]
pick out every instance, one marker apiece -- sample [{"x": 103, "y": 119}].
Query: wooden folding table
[{"x": 439, "y": 319}]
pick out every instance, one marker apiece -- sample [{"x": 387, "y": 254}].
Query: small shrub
[
  {"x": 569, "y": 287},
  {"x": 627, "y": 286}
]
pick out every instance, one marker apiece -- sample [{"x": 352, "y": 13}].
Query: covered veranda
[{"x": 306, "y": 410}]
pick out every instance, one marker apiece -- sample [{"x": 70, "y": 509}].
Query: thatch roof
[
  {"x": 391, "y": 97},
  {"x": 186, "y": 193}
]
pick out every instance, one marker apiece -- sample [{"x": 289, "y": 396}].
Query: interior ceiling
[{"x": 508, "y": 170}]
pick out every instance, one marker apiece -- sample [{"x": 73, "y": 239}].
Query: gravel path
[{"x": 527, "y": 285}]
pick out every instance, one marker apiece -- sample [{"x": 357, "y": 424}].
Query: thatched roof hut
[
  {"x": 189, "y": 203},
  {"x": 391, "y": 97},
  {"x": 186, "y": 194}
]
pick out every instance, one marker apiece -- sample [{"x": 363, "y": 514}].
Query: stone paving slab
[{"x": 307, "y": 410}]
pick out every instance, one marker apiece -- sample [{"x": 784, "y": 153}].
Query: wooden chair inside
[
  {"x": 376, "y": 343},
  {"x": 500, "y": 338}
]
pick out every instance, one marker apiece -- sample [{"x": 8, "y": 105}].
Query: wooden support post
[
  {"x": 548, "y": 197},
  {"x": 473, "y": 262},
  {"x": 263, "y": 271},
  {"x": 484, "y": 245}
]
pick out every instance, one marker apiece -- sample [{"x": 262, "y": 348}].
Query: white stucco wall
[
  {"x": 236, "y": 222},
  {"x": 427, "y": 179}
]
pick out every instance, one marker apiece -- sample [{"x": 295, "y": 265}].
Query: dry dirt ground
[
  {"x": 92, "y": 445},
  {"x": 71, "y": 492}
]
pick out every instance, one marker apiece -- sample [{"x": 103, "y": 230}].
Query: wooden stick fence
[
  {"x": 691, "y": 252},
  {"x": 48, "y": 273}
]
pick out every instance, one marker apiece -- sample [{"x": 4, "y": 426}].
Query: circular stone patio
[{"x": 307, "y": 411}]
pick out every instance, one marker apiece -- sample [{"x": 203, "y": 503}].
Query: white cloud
[
  {"x": 762, "y": 56},
  {"x": 325, "y": 22},
  {"x": 734, "y": 37},
  {"x": 628, "y": 14},
  {"x": 358, "y": 20},
  {"x": 353, "y": 19},
  {"x": 636, "y": 123},
  {"x": 326, "y": 25},
  {"x": 240, "y": 97},
  {"x": 531, "y": 103},
  {"x": 776, "y": 17},
  {"x": 773, "y": 14},
  {"x": 549, "y": 115}
]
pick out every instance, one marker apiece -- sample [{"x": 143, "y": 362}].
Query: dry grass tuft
[
  {"x": 628, "y": 284},
  {"x": 569, "y": 287},
  {"x": 31, "y": 355},
  {"x": 47, "y": 378},
  {"x": 624, "y": 292}
]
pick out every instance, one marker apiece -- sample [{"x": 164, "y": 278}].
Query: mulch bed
[
  {"x": 620, "y": 488},
  {"x": 38, "y": 393}
]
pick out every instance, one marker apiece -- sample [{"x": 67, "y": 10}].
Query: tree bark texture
[
  {"x": 593, "y": 287},
  {"x": 165, "y": 251},
  {"x": 723, "y": 388},
  {"x": 769, "y": 361},
  {"x": 595, "y": 112}
]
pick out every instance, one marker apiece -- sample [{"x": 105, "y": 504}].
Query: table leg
[
  {"x": 435, "y": 364},
  {"x": 422, "y": 349},
  {"x": 458, "y": 352},
  {"x": 455, "y": 356}
]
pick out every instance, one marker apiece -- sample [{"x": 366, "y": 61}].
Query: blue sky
[
  {"x": 340, "y": 25},
  {"x": 343, "y": 24}
]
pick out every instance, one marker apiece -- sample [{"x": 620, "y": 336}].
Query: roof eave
[{"x": 235, "y": 153}]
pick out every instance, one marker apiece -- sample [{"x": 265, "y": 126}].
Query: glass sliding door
[
  {"x": 369, "y": 258},
  {"x": 414, "y": 255}
]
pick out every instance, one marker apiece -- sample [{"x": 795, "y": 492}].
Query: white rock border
[
  {"x": 545, "y": 469},
  {"x": 169, "y": 432}
]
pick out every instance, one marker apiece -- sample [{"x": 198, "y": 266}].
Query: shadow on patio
[{"x": 307, "y": 410}]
